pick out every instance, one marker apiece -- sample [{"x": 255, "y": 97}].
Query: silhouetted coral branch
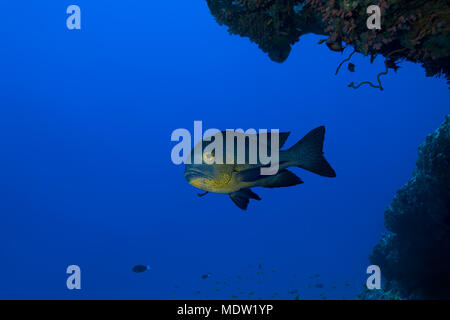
[{"x": 345, "y": 60}]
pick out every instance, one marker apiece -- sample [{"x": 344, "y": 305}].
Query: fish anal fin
[{"x": 284, "y": 178}]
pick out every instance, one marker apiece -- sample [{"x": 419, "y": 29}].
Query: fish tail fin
[{"x": 308, "y": 154}]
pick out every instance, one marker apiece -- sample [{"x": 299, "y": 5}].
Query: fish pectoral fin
[
  {"x": 242, "y": 197},
  {"x": 203, "y": 194},
  {"x": 249, "y": 175},
  {"x": 284, "y": 178}
]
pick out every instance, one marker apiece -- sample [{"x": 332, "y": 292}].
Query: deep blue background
[{"x": 85, "y": 170}]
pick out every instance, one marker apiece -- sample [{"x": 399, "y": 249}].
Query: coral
[
  {"x": 413, "y": 256},
  {"x": 391, "y": 294},
  {"x": 274, "y": 25},
  {"x": 419, "y": 28}
]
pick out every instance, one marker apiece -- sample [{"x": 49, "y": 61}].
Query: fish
[
  {"x": 335, "y": 46},
  {"x": 319, "y": 285},
  {"x": 206, "y": 275},
  {"x": 236, "y": 180},
  {"x": 351, "y": 67},
  {"x": 140, "y": 268},
  {"x": 322, "y": 41}
]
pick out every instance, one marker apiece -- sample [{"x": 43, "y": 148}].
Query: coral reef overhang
[
  {"x": 415, "y": 30},
  {"x": 414, "y": 256}
]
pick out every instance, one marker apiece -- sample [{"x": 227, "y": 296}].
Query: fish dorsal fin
[
  {"x": 283, "y": 137},
  {"x": 242, "y": 197}
]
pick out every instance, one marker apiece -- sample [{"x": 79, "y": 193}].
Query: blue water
[{"x": 86, "y": 176}]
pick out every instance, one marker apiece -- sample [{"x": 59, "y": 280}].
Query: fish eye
[{"x": 208, "y": 157}]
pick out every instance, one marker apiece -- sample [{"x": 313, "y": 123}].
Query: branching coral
[{"x": 383, "y": 73}]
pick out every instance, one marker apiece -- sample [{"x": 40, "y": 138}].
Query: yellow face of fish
[
  {"x": 209, "y": 176},
  {"x": 213, "y": 185}
]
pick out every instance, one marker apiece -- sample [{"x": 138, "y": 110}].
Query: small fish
[
  {"x": 293, "y": 291},
  {"x": 351, "y": 67},
  {"x": 317, "y": 275},
  {"x": 233, "y": 296},
  {"x": 297, "y": 297},
  {"x": 236, "y": 180},
  {"x": 335, "y": 46},
  {"x": 321, "y": 41},
  {"x": 140, "y": 268},
  {"x": 347, "y": 284},
  {"x": 319, "y": 285},
  {"x": 206, "y": 275}
]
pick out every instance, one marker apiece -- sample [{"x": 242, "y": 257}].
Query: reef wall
[
  {"x": 415, "y": 30},
  {"x": 414, "y": 256}
]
